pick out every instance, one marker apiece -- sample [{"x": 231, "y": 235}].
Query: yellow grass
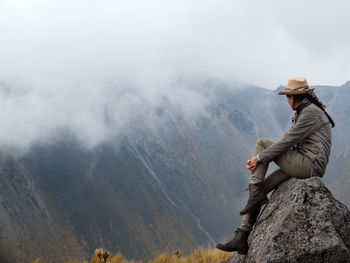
[
  {"x": 200, "y": 255},
  {"x": 118, "y": 258}
]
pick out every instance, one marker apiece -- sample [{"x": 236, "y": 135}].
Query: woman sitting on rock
[{"x": 303, "y": 152}]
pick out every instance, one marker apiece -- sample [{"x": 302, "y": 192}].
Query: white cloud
[{"x": 63, "y": 59}]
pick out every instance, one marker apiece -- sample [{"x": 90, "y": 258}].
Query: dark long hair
[{"x": 311, "y": 96}]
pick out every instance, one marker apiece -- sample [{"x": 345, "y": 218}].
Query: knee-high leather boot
[{"x": 257, "y": 197}]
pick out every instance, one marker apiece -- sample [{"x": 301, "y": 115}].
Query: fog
[{"x": 64, "y": 64}]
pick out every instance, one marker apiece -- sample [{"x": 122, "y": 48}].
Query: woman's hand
[{"x": 252, "y": 164}]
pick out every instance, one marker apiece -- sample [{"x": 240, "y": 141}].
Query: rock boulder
[{"x": 302, "y": 222}]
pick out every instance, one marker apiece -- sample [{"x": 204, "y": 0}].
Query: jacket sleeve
[{"x": 307, "y": 123}]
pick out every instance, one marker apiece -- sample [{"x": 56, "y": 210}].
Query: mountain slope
[
  {"x": 338, "y": 171},
  {"x": 174, "y": 179},
  {"x": 32, "y": 224}
]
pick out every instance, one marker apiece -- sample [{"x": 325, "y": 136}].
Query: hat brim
[{"x": 296, "y": 92}]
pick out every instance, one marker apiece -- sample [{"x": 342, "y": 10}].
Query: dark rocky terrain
[
  {"x": 170, "y": 180},
  {"x": 33, "y": 223}
]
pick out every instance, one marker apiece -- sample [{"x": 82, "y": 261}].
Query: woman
[{"x": 302, "y": 152}]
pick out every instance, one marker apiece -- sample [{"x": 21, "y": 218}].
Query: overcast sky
[{"x": 62, "y": 58}]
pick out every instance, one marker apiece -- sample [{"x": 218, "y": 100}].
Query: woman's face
[{"x": 290, "y": 100}]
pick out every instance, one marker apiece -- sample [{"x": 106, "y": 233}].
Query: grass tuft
[{"x": 200, "y": 255}]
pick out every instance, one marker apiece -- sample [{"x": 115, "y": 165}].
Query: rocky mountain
[
  {"x": 32, "y": 223},
  {"x": 338, "y": 171},
  {"x": 302, "y": 222},
  {"x": 171, "y": 180}
]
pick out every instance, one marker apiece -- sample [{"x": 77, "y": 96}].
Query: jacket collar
[{"x": 303, "y": 104}]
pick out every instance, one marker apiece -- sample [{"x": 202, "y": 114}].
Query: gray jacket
[{"x": 310, "y": 135}]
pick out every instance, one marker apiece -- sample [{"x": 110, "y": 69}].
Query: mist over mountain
[
  {"x": 173, "y": 178},
  {"x": 80, "y": 65},
  {"x": 162, "y": 182},
  {"x": 127, "y": 124}
]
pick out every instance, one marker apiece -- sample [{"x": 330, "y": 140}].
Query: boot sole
[
  {"x": 241, "y": 252},
  {"x": 229, "y": 250},
  {"x": 225, "y": 250},
  {"x": 260, "y": 204}
]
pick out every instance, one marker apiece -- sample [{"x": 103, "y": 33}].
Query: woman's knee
[{"x": 264, "y": 143}]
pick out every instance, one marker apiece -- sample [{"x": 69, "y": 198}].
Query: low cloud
[{"x": 75, "y": 63}]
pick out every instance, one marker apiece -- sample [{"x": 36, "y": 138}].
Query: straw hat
[{"x": 296, "y": 86}]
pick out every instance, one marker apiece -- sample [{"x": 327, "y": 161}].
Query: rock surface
[{"x": 302, "y": 222}]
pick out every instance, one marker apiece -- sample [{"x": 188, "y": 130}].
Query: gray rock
[
  {"x": 237, "y": 259},
  {"x": 302, "y": 222}
]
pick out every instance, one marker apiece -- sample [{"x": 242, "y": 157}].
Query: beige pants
[{"x": 291, "y": 163}]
